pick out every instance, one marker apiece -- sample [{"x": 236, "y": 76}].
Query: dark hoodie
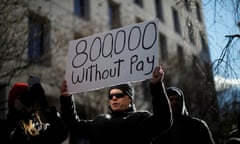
[
  {"x": 26, "y": 124},
  {"x": 186, "y": 129},
  {"x": 179, "y": 109},
  {"x": 122, "y": 127}
]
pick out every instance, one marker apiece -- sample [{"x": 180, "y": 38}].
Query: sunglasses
[{"x": 117, "y": 95}]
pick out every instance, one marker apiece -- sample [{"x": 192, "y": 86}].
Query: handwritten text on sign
[{"x": 122, "y": 55}]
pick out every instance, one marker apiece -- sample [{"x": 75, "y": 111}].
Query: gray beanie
[{"x": 125, "y": 88}]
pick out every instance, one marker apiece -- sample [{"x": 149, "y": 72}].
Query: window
[
  {"x": 181, "y": 60},
  {"x": 114, "y": 15},
  {"x": 190, "y": 32},
  {"x": 138, "y": 20},
  {"x": 187, "y": 5},
  {"x": 163, "y": 46},
  {"x": 198, "y": 12},
  {"x": 39, "y": 40},
  {"x": 159, "y": 10},
  {"x": 81, "y": 9},
  {"x": 177, "y": 27},
  {"x": 139, "y": 3},
  {"x": 78, "y": 35},
  {"x": 203, "y": 43},
  {"x": 204, "y": 52}
]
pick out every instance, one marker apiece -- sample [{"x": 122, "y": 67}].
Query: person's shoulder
[
  {"x": 233, "y": 140},
  {"x": 142, "y": 113},
  {"x": 193, "y": 118},
  {"x": 197, "y": 120},
  {"x": 234, "y": 133},
  {"x": 4, "y": 131},
  {"x": 103, "y": 116},
  {"x": 3, "y": 123}
]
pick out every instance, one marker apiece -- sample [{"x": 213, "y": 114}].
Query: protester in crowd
[
  {"x": 234, "y": 135},
  {"x": 30, "y": 120},
  {"x": 123, "y": 125},
  {"x": 186, "y": 129}
]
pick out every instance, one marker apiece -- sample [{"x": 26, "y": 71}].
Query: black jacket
[
  {"x": 128, "y": 127},
  {"x": 38, "y": 126},
  {"x": 185, "y": 129},
  {"x": 50, "y": 131},
  {"x": 234, "y": 135}
]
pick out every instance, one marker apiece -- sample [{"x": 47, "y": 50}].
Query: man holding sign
[{"x": 124, "y": 125}]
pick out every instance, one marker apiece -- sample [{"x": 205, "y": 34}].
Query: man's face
[
  {"x": 20, "y": 107},
  {"x": 118, "y": 101},
  {"x": 176, "y": 104}
]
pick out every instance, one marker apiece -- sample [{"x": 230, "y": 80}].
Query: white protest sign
[{"x": 122, "y": 55}]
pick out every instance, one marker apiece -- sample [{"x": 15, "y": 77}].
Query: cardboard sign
[{"x": 122, "y": 55}]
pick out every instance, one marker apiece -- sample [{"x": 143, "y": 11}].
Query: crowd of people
[
  {"x": 30, "y": 119},
  {"x": 124, "y": 124}
]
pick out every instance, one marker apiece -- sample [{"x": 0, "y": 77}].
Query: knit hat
[
  {"x": 125, "y": 88},
  {"x": 17, "y": 90}
]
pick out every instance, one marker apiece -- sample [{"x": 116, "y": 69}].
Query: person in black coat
[
  {"x": 30, "y": 120},
  {"x": 186, "y": 129},
  {"x": 234, "y": 135},
  {"x": 124, "y": 125}
]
